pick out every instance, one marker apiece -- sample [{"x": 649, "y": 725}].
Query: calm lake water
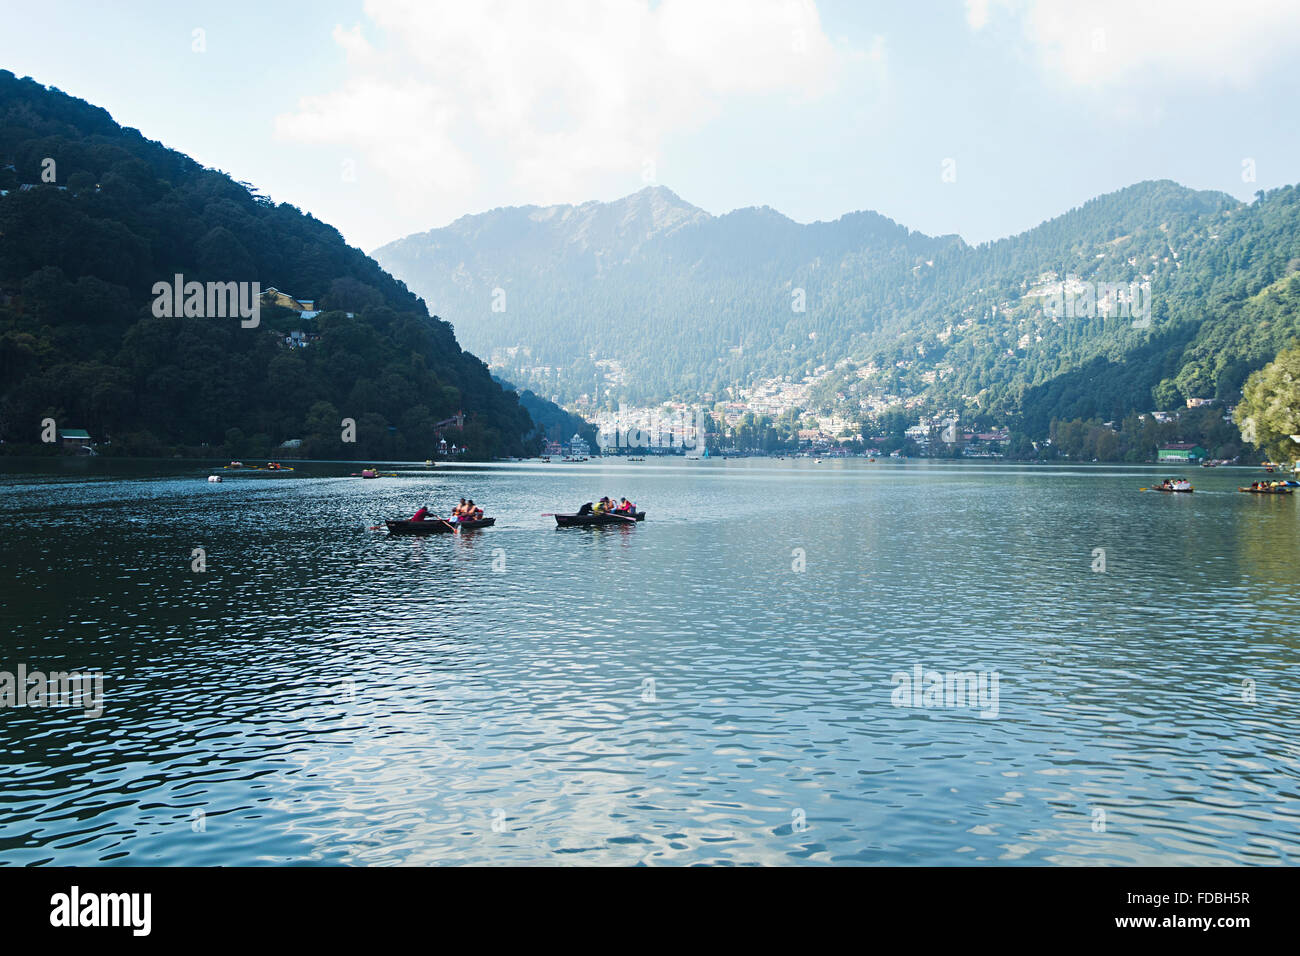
[{"x": 719, "y": 684}]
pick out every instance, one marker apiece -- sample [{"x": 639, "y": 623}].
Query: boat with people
[
  {"x": 240, "y": 466},
  {"x": 465, "y": 516},
  {"x": 1175, "y": 485},
  {"x": 603, "y": 512},
  {"x": 1269, "y": 488}
]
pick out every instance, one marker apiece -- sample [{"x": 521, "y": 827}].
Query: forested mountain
[
  {"x": 95, "y": 215},
  {"x": 686, "y": 302},
  {"x": 682, "y": 304}
]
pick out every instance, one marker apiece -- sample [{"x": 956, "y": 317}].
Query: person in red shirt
[{"x": 419, "y": 515}]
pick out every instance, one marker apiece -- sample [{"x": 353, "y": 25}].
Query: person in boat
[
  {"x": 586, "y": 509},
  {"x": 626, "y": 507},
  {"x": 420, "y": 515},
  {"x": 472, "y": 512},
  {"x": 459, "y": 510},
  {"x": 601, "y": 506}
]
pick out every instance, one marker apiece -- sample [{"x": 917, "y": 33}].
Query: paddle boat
[
  {"x": 1175, "y": 485},
  {"x": 434, "y": 525},
  {"x": 1268, "y": 488},
  {"x": 609, "y": 517}
]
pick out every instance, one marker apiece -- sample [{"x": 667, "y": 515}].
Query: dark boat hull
[
  {"x": 582, "y": 521},
  {"x": 1267, "y": 491},
  {"x": 437, "y": 526}
]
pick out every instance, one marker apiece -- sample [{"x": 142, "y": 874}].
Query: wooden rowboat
[
  {"x": 1278, "y": 490},
  {"x": 577, "y": 521},
  {"x": 437, "y": 526}
]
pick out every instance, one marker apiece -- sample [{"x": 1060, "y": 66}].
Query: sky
[{"x": 975, "y": 117}]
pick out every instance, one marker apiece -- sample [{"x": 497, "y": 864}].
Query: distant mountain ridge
[
  {"x": 649, "y": 298},
  {"x": 565, "y": 280}
]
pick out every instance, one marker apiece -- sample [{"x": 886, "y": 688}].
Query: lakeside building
[
  {"x": 1180, "y": 451},
  {"x": 76, "y": 439}
]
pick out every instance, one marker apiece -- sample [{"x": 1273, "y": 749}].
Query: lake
[{"x": 787, "y": 662}]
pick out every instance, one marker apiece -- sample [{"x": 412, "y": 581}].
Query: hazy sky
[{"x": 983, "y": 117}]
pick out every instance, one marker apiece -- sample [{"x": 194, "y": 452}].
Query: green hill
[
  {"x": 96, "y": 215},
  {"x": 649, "y": 298}
]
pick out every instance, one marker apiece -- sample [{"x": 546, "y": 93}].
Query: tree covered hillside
[
  {"x": 664, "y": 301},
  {"x": 106, "y": 214}
]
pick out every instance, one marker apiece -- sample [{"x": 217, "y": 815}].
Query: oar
[{"x": 454, "y": 529}]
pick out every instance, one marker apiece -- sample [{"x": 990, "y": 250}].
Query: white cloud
[
  {"x": 1188, "y": 44},
  {"x": 453, "y": 98},
  {"x": 977, "y": 13}
]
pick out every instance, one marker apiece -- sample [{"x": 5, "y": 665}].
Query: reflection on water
[{"x": 674, "y": 692}]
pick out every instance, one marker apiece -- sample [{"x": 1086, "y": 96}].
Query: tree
[{"x": 1269, "y": 412}]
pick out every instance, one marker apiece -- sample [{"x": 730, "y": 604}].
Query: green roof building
[{"x": 1180, "y": 452}]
